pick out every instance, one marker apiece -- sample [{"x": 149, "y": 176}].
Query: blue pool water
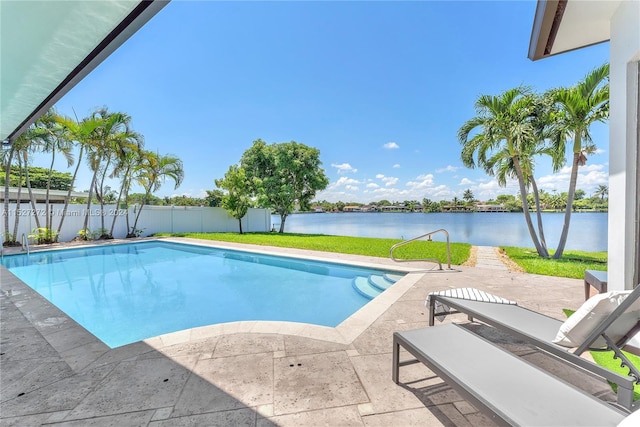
[{"x": 129, "y": 292}]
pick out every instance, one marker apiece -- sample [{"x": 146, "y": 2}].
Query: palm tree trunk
[
  {"x": 122, "y": 187},
  {"x": 567, "y": 213},
  {"x": 88, "y": 212},
  {"x": 101, "y": 198},
  {"x": 16, "y": 220},
  {"x": 31, "y": 196},
  {"x": 135, "y": 222},
  {"x": 67, "y": 199},
  {"x": 7, "y": 174},
  {"x": 536, "y": 197},
  {"x": 525, "y": 209},
  {"x": 49, "y": 217}
]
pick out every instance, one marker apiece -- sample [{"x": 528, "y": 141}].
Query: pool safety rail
[
  {"x": 25, "y": 243},
  {"x": 428, "y": 236}
]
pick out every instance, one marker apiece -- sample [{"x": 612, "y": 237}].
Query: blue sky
[{"x": 380, "y": 88}]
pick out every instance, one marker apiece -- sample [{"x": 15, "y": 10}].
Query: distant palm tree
[
  {"x": 53, "y": 140},
  {"x": 467, "y": 196},
  {"x": 151, "y": 172},
  {"x": 578, "y": 108},
  {"x": 104, "y": 145},
  {"x": 130, "y": 158},
  {"x": 505, "y": 130},
  {"x": 79, "y": 132},
  {"x": 602, "y": 191}
]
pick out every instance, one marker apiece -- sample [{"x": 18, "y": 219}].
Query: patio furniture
[
  {"x": 607, "y": 332},
  {"x": 507, "y": 388},
  {"x": 595, "y": 278}
]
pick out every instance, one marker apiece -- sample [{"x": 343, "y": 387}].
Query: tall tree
[
  {"x": 150, "y": 173},
  {"x": 237, "y": 200},
  {"x": 130, "y": 156},
  {"x": 284, "y": 174},
  {"x": 104, "y": 145},
  {"x": 579, "y": 107},
  {"x": 602, "y": 191},
  {"x": 504, "y": 125},
  {"x": 54, "y": 140},
  {"x": 81, "y": 132},
  {"x": 467, "y": 196}
]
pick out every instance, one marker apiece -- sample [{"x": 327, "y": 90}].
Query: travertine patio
[{"x": 55, "y": 373}]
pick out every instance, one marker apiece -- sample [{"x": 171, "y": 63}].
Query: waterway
[{"x": 588, "y": 230}]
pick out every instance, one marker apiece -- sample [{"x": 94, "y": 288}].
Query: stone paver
[{"x": 257, "y": 373}]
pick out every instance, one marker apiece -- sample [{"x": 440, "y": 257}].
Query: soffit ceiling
[
  {"x": 47, "y": 47},
  {"x": 561, "y": 26}
]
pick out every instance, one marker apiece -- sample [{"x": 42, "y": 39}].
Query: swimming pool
[{"x": 124, "y": 293}]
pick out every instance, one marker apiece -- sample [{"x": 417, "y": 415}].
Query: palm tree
[
  {"x": 53, "y": 140},
  {"x": 106, "y": 142},
  {"x": 81, "y": 132},
  {"x": 578, "y": 108},
  {"x": 131, "y": 156},
  {"x": 504, "y": 132},
  {"x": 602, "y": 191},
  {"x": 152, "y": 171}
]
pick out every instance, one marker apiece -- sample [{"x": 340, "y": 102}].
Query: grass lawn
[
  {"x": 572, "y": 264},
  {"x": 342, "y": 244},
  {"x": 606, "y": 360}
]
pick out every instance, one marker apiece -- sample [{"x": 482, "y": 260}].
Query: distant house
[
  {"x": 351, "y": 209},
  {"x": 482, "y": 207},
  {"x": 40, "y": 195}
]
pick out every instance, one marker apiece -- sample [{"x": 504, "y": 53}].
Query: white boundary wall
[{"x": 153, "y": 219}]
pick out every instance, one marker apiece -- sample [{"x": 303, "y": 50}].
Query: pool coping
[{"x": 54, "y": 324}]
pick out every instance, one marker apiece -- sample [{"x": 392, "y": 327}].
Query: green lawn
[
  {"x": 572, "y": 264},
  {"x": 606, "y": 360},
  {"x": 341, "y": 244}
]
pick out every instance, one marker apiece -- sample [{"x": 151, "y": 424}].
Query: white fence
[{"x": 153, "y": 219}]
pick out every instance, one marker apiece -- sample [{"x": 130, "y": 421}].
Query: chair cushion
[
  {"x": 632, "y": 420},
  {"x": 575, "y": 330}
]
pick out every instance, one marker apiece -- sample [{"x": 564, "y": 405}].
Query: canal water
[{"x": 588, "y": 230}]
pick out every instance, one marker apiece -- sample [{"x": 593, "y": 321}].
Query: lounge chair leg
[
  {"x": 395, "y": 372},
  {"x": 432, "y": 310}
]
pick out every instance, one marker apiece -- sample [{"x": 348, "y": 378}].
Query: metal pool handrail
[
  {"x": 429, "y": 234},
  {"x": 25, "y": 243}
]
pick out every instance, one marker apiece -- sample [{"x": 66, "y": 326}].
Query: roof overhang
[
  {"x": 47, "y": 47},
  {"x": 40, "y": 195},
  {"x": 564, "y": 25}
]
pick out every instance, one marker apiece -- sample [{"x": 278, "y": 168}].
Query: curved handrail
[
  {"x": 25, "y": 243},
  {"x": 429, "y": 234}
]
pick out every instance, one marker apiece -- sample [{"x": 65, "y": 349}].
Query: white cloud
[
  {"x": 396, "y": 166},
  {"x": 388, "y": 180},
  {"x": 465, "y": 181},
  {"x": 391, "y": 146},
  {"x": 423, "y": 182},
  {"x": 344, "y": 167},
  {"x": 373, "y": 185},
  {"x": 589, "y": 177},
  {"x": 449, "y": 168}
]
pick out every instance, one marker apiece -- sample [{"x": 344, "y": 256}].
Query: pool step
[
  {"x": 372, "y": 286},
  {"x": 393, "y": 277}
]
